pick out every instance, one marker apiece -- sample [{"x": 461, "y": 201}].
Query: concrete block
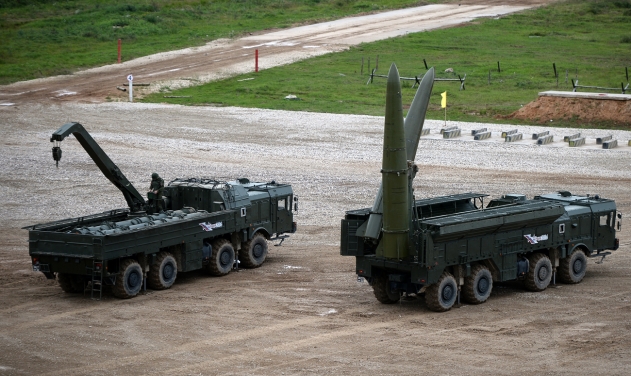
[
  {"x": 514, "y": 137},
  {"x": 482, "y": 136},
  {"x": 600, "y": 140},
  {"x": 507, "y": 133},
  {"x": 452, "y": 133},
  {"x": 577, "y": 141},
  {"x": 545, "y": 139},
  {"x": 536, "y": 136}
]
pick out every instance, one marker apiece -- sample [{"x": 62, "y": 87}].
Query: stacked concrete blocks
[{"x": 610, "y": 144}]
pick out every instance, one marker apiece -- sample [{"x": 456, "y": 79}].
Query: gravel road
[{"x": 303, "y": 312}]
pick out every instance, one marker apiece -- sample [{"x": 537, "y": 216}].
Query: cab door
[
  {"x": 605, "y": 233},
  {"x": 283, "y": 214}
]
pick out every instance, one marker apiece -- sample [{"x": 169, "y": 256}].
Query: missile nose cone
[{"x": 393, "y": 74}]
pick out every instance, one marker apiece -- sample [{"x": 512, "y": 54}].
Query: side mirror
[
  {"x": 619, "y": 215},
  {"x": 296, "y": 206}
]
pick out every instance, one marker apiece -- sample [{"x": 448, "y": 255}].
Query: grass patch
[
  {"x": 583, "y": 38},
  {"x": 44, "y": 38}
]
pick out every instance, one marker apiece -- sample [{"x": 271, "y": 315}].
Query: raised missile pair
[{"x": 391, "y": 210}]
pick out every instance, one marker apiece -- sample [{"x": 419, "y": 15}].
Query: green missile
[
  {"x": 394, "y": 170},
  {"x": 413, "y": 126}
]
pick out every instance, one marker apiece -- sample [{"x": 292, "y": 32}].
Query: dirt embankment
[{"x": 583, "y": 110}]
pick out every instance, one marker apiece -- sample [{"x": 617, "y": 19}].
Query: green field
[
  {"x": 584, "y": 39},
  {"x": 588, "y": 40},
  {"x": 42, "y": 38}
]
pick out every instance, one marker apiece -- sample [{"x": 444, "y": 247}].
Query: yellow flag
[{"x": 443, "y": 102}]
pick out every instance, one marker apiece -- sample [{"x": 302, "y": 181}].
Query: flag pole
[{"x": 443, "y": 104}]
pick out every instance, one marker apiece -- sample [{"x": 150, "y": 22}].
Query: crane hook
[{"x": 57, "y": 155}]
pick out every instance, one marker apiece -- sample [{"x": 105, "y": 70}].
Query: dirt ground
[
  {"x": 303, "y": 312},
  {"x": 584, "y": 110}
]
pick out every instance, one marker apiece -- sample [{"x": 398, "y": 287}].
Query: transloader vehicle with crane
[
  {"x": 453, "y": 246},
  {"x": 204, "y": 224}
]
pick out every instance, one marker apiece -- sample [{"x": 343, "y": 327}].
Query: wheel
[
  {"x": 442, "y": 295},
  {"x": 572, "y": 268},
  {"x": 78, "y": 283},
  {"x": 128, "y": 280},
  {"x": 253, "y": 252},
  {"x": 222, "y": 258},
  {"x": 382, "y": 290},
  {"x": 539, "y": 273},
  {"x": 69, "y": 283},
  {"x": 477, "y": 287},
  {"x": 163, "y": 272}
]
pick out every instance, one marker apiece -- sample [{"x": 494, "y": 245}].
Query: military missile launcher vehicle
[
  {"x": 454, "y": 246},
  {"x": 204, "y": 224}
]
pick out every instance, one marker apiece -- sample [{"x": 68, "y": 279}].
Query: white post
[{"x": 130, "y": 78}]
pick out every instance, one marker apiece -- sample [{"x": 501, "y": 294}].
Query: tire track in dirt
[{"x": 276, "y": 331}]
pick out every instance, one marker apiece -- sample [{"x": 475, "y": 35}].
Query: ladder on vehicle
[{"x": 97, "y": 279}]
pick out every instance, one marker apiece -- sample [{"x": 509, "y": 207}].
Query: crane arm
[{"x": 134, "y": 199}]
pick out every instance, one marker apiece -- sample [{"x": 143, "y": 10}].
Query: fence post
[
  {"x": 362, "y": 70},
  {"x": 256, "y": 60},
  {"x": 119, "y": 51}
]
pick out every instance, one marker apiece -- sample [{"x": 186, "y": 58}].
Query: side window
[
  {"x": 282, "y": 203},
  {"x": 607, "y": 220}
]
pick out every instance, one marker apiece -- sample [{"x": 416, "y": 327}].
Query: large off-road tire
[
  {"x": 253, "y": 252},
  {"x": 539, "y": 273},
  {"x": 477, "y": 287},
  {"x": 163, "y": 272},
  {"x": 442, "y": 295},
  {"x": 222, "y": 258},
  {"x": 572, "y": 268},
  {"x": 69, "y": 283},
  {"x": 128, "y": 280},
  {"x": 382, "y": 290}
]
